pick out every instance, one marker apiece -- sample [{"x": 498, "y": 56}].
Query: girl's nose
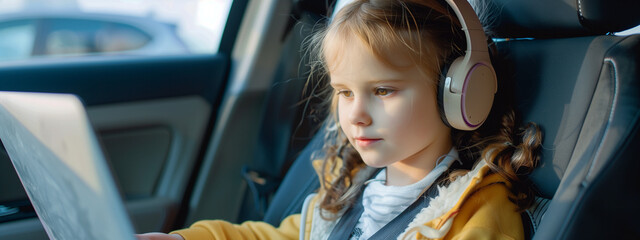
[{"x": 359, "y": 114}]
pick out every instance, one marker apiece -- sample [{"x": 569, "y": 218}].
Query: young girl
[{"x": 392, "y": 167}]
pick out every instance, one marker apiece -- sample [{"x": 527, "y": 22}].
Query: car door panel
[
  {"x": 151, "y": 115},
  {"x": 103, "y": 80},
  {"x": 137, "y": 157},
  {"x": 28, "y": 229},
  {"x": 144, "y": 215},
  {"x": 153, "y": 144}
]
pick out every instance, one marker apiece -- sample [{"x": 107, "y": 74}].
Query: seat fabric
[{"x": 583, "y": 92}]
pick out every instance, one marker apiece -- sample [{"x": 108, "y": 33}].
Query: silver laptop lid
[{"x": 61, "y": 165}]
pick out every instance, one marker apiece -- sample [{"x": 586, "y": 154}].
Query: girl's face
[{"x": 390, "y": 115}]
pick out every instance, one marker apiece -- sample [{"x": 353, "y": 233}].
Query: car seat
[{"x": 580, "y": 84}]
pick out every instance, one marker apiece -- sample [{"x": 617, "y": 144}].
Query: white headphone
[
  {"x": 467, "y": 90},
  {"x": 466, "y": 93}
]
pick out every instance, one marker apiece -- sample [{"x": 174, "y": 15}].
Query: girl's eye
[
  {"x": 345, "y": 93},
  {"x": 384, "y": 91}
]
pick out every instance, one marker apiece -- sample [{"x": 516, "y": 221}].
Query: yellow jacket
[{"x": 474, "y": 206}]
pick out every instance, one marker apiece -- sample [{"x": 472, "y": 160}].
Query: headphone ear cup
[
  {"x": 449, "y": 102},
  {"x": 477, "y": 96},
  {"x": 441, "y": 90},
  {"x": 467, "y": 106}
]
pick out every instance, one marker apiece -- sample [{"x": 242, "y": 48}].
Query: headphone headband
[
  {"x": 466, "y": 92},
  {"x": 470, "y": 24},
  {"x": 470, "y": 83}
]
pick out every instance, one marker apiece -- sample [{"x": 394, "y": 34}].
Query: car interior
[{"x": 231, "y": 135}]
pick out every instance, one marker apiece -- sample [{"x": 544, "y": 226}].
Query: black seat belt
[
  {"x": 394, "y": 228},
  {"x": 348, "y": 222}
]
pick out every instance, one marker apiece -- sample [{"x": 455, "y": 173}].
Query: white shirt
[{"x": 383, "y": 203}]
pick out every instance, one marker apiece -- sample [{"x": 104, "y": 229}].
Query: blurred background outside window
[{"x": 46, "y": 28}]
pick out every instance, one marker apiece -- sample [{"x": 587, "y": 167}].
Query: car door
[{"x": 153, "y": 113}]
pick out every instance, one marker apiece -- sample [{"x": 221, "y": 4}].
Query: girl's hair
[{"x": 430, "y": 33}]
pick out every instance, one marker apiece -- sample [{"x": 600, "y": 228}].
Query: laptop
[{"x": 62, "y": 167}]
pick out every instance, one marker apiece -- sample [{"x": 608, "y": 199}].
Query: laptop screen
[{"x": 61, "y": 166}]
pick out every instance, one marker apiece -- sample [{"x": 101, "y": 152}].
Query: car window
[
  {"x": 79, "y": 36},
  {"x": 36, "y": 29},
  {"x": 16, "y": 39}
]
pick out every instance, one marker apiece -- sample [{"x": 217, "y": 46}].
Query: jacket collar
[{"x": 435, "y": 220}]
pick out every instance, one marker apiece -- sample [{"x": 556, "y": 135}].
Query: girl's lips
[{"x": 365, "y": 142}]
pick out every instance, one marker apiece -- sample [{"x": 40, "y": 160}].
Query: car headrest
[
  {"x": 319, "y": 7},
  {"x": 558, "y": 18}
]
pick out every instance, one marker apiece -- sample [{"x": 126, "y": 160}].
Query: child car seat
[{"x": 581, "y": 86}]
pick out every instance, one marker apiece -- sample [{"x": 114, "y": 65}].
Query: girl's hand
[{"x": 158, "y": 236}]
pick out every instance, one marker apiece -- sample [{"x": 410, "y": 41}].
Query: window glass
[
  {"x": 37, "y": 28},
  {"x": 119, "y": 37},
  {"x": 16, "y": 39},
  {"x": 73, "y": 36}
]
